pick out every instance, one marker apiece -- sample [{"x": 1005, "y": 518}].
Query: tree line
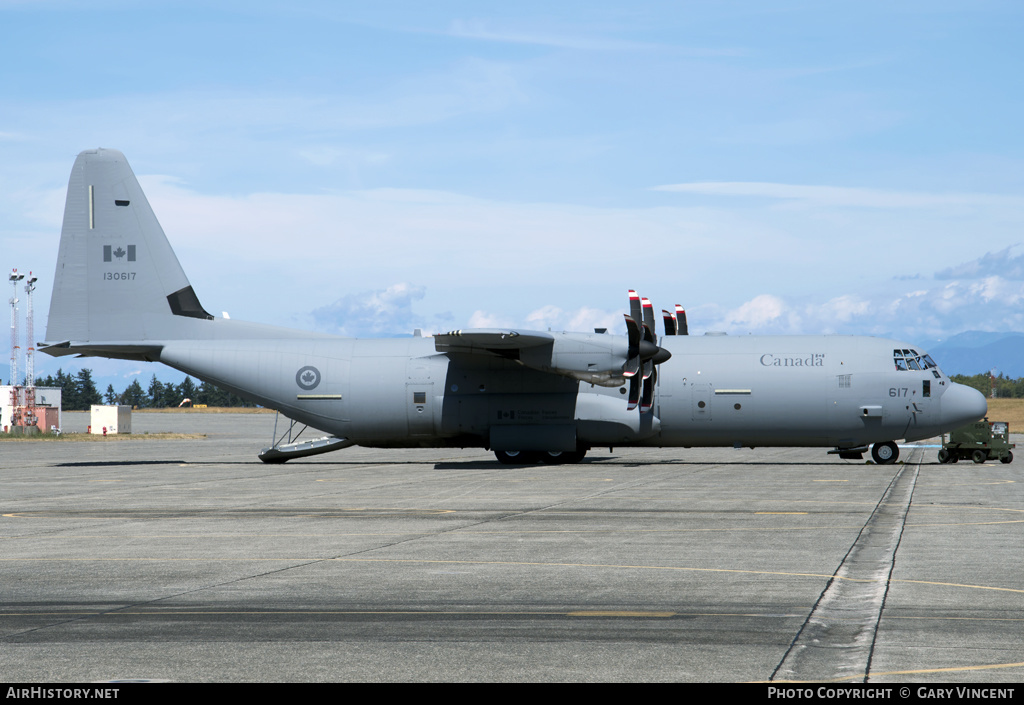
[
  {"x": 79, "y": 392},
  {"x": 1006, "y": 388}
]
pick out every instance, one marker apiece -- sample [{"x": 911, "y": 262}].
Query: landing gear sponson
[{"x": 531, "y": 457}]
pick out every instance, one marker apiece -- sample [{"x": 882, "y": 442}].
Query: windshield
[{"x": 906, "y": 359}]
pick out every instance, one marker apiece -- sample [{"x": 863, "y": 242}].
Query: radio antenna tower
[
  {"x": 30, "y": 354},
  {"x": 15, "y": 401}
]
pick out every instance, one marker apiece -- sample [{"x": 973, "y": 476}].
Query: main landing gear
[
  {"x": 531, "y": 457},
  {"x": 885, "y": 453}
]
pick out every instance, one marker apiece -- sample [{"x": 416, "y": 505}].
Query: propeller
[{"x": 643, "y": 353}]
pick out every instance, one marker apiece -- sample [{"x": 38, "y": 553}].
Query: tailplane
[{"x": 118, "y": 286}]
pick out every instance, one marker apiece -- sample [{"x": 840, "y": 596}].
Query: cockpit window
[{"x": 906, "y": 360}]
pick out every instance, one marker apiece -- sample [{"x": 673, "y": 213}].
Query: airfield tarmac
[{"x": 189, "y": 560}]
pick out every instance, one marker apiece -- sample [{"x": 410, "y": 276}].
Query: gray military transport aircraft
[{"x": 529, "y": 396}]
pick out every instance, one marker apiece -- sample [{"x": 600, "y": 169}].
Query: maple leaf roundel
[{"x": 308, "y": 377}]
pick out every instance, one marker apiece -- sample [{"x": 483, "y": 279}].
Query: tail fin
[{"x": 117, "y": 281}]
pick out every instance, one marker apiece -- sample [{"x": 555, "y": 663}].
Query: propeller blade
[
  {"x": 681, "y": 316},
  {"x": 647, "y": 399},
  {"x": 634, "y": 307},
  {"x": 670, "y": 322},
  {"x": 634, "y": 393},
  {"x": 649, "y": 334},
  {"x": 632, "y": 365}
]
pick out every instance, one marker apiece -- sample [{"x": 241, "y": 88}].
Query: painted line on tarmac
[{"x": 837, "y": 639}]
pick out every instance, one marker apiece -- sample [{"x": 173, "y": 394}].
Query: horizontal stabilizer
[{"x": 143, "y": 352}]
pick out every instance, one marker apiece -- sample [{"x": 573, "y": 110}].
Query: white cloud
[
  {"x": 584, "y": 319},
  {"x": 373, "y": 313},
  {"x": 587, "y": 319},
  {"x": 845, "y": 308},
  {"x": 482, "y": 319},
  {"x": 993, "y": 303},
  {"x": 544, "y": 317},
  {"x": 756, "y": 313},
  {"x": 999, "y": 263}
]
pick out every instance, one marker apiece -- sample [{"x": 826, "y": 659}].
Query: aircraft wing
[
  {"x": 504, "y": 343},
  {"x": 588, "y": 357}
]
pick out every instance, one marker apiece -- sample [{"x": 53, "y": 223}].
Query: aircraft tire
[
  {"x": 575, "y": 456},
  {"x": 885, "y": 453},
  {"x": 556, "y": 457},
  {"x": 979, "y": 456},
  {"x": 1008, "y": 458},
  {"x": 515, "y": 457},
  {"x": 943, "y": 456}
]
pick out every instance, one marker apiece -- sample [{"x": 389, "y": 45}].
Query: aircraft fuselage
[{"x": 842, "y": 391}]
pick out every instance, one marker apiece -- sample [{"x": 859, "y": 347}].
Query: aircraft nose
[{"x": 962, "y": 405}]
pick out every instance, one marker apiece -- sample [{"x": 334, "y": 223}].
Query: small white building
[{"x": 108, "y": 420}]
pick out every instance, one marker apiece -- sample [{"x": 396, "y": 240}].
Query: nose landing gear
[{"x": 885, "y": 453}]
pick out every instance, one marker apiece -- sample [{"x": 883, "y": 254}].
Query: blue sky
[{"x": 370, "y": 168}]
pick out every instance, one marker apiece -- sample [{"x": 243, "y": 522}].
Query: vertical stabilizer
[{"x": 117, "y": 278}]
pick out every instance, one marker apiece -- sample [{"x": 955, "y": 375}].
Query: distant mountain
[{"x": 975, "y": 351}]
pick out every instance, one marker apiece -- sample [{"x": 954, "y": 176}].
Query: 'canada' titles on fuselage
[{"x": 776, "y": 360}]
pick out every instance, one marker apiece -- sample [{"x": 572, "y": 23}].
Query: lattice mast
[
  {"x": 30, "y": 354},
  {"x": 15, "y": 348}
]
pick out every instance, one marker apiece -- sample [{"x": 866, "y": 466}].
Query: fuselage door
[
  {"x": 700, "y": 395},
  {"x": 419, "y": 398},
  {"x": 922, "y": 407}
]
